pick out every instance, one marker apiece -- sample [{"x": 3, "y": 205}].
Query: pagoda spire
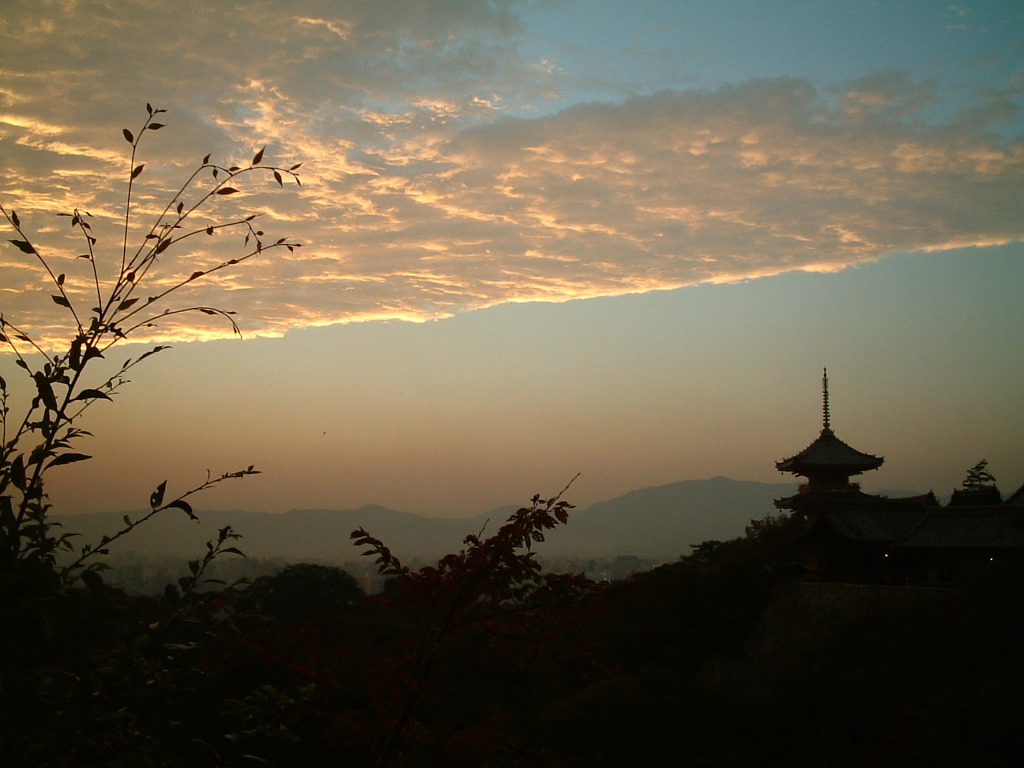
[
  {"x": 826, "y": 421},
  {"x": 828, "y": 462}
]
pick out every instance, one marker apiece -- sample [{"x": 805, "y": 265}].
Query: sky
[{"x": 619, "y": 238}]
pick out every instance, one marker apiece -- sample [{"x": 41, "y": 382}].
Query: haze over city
[{"x": 620, "y": 239}]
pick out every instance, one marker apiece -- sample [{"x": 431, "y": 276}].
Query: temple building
[{"x": 853, "y": 536}]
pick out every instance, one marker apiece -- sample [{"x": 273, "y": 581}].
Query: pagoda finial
[{"x": 827, "y": 422}]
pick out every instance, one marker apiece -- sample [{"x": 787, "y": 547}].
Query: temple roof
[
  {"x": 930, "y": 528},
  {"x": 828, "y": 456},
  {"x": 828, "y": 452}
]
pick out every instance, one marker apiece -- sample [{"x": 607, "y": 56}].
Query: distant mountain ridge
[
  {"x": 662, "y": 521},
  {"x": 657, "y": 522}
]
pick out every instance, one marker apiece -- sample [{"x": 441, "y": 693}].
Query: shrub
[{"x": 87, "y": 677}]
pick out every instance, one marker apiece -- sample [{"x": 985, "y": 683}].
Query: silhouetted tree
[
  {"x": 302, "y": 593},
  {"x": 978, "y": 477}
]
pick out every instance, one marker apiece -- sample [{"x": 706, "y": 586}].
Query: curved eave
[{"x": 828, "y": 452}]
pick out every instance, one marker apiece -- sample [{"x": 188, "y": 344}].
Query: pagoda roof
[
  {"x": 930, "y": 528},
  {"x": 920, "y": 523},
  {"x": 828, "y": 452},
  {"x": 846, "y": 497}
]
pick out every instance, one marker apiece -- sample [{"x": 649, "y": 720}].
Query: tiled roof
[
  {"x": 829, "y": 452},
  {"x": 930, "y": 527}
]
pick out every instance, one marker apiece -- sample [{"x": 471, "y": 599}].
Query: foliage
[
  {"x": 978, "y": 477},
  {"x": 47, "y": 434},
  {"x": 303, "y": 592},
  {"x": 82, "y": 672},
  {"x": 481, "y": 602}
]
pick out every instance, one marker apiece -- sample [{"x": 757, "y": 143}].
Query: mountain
[
  {"x": 662, "y": 521},
  {"x": 300, "y": 534},
  {"x": 659, "y": 522}
]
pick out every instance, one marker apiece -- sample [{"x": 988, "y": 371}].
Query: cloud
[{"x": 422, "y": 198}]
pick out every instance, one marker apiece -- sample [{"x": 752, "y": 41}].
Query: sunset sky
[{"x": 540, "y": 237}]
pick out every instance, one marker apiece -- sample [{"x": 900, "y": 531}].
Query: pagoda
[
  {"x": 828, "y": 464},
  {"x": 854, "y": 537}
]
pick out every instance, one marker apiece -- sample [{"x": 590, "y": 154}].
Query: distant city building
[{"x": 858, "y": 537}]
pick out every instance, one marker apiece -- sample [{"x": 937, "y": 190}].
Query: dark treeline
[{"x": 717, "y": 660}]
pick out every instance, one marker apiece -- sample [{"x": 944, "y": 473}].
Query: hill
[
  {"x": 658, "y": 522},
  {"x": 662, "y": 521}
]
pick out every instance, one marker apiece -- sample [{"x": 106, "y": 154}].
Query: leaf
[
  {"x": 157, "y": 497},
  {"x": 155, "y": 126},
  {"x": 295, "y": 167},
  {"x": 45, "y": 391},
  {"x": 277, "y": 178},
  {"x": 60, "y": 279},
  {"x": 233, "y": 551},
  {"x": 184, "y": 506},
  {"x": 153, "y": 351},
  {"x": 17, "y": 471},
  {"x": 206, "y": 160},
  {"x": 127, "y": 520},
  {"x": 181, "y": 207},
  {"x": 14, "y": 218},
  {"x": 92, "y": 394},
  {"x": 162, "y": 246},
  {"x": 209, "y": 230},
  {"x": 126, "y": 304},
  {"x": 138, "y": 170},
  {"x": 128, "y": 136},
  {"x": 194, "y": 275},
  {"x": 68, "y": 458},
  {"x": 221, "y": 191},
  {"x": 24, "y": 246},
  {"x": 258, "y": 157}
]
